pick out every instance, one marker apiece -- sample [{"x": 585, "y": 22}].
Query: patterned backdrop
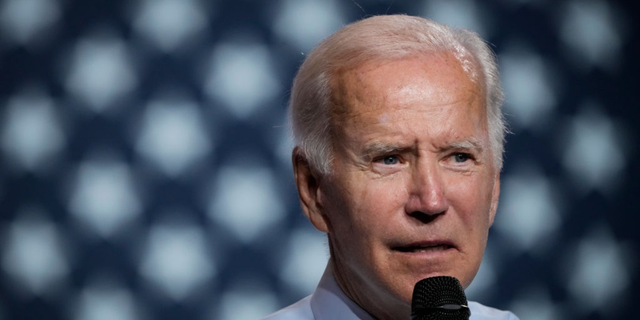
[{"x": 145, "y": 168}]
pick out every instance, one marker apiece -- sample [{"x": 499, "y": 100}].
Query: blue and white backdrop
[{"x": 145, "y": 166}]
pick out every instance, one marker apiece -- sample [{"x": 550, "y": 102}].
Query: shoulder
[
  {"x": 300, "y": 310},
  {"x": 482, "y": 312}
]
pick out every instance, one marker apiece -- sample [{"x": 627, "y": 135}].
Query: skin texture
[{"x": 412, "y": 168}]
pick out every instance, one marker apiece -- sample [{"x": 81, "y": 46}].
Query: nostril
[{"x": 425, "y": 217}]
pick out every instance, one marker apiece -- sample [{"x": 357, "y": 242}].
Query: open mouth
[{"x": 423, "y": 248}]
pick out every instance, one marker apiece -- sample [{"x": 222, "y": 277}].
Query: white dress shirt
[{"x": 329, "y": 302}]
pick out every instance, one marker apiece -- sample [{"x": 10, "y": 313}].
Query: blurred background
[{"x": 145, "y": 160}]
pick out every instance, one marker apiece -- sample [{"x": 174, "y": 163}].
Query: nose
[{"x": 427, "y": 199}]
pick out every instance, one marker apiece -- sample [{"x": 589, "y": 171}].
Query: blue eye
[
  {"x": 461, "y": 157},
  {"x": 390, "y": 160}
]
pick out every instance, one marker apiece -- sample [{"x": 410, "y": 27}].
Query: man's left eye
[
  {"x": 390, "y": 160},
  {"x": 461, "y": 157}
]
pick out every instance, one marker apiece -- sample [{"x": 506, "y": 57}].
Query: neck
[{"x": 367, "y": 296}]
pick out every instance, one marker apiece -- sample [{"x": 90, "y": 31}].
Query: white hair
[{"x": 380, "y": 38}]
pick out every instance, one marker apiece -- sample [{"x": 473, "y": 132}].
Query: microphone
[{"x": 439, "y": 298}]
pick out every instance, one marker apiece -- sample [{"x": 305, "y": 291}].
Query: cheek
[
  {"x": 471, "y": 197},
  {"x": 367, "y": 206},
  {"x": 381, "y": 199}
]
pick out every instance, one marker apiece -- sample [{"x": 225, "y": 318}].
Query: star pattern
[
  {"x": 591, "y": 32},
  {"x": 242, "y": 77},
  {"x": 104, "y": 197},
  {"x": 528, "y": 84},
  {"x": 145, "y": 158},
  {"x": 592, "y": 137},
  {"x": 106, "y": 299},
  {"x": 169, "y": 23},
  {"x": 100, "y": 71},
  {"x": 600, "y": 275},
  {"x": 242, "y": 194},
  {"x": 529, "y": 213},
  {"x": 173, "y": 136},
  {"x": 23, "y": 22},
  {"x": 34, "y": 256},
  {"x": 32, "y": 135},
  {"x": 176, "y": 259}
]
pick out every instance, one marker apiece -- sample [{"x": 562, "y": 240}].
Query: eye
[
  {"x": 461, "y": 157},
  {"x": 390, "y": 160}
]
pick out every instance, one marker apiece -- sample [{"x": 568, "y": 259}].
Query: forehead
[
  {"x": 437, "y": 77},
  {"x": 429, "y": 97}
]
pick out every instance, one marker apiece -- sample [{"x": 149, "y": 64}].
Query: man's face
[{"x": 413, "y": 189}]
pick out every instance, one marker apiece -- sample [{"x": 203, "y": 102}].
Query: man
[{"x": 399, "y": 139}]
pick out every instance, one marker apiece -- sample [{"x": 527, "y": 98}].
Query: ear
[
  {"x": 494, "y": 198},
  {"x": 309, "y": 192}
]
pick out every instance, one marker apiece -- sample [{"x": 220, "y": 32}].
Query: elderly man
[{"x": 399, "y": 140}]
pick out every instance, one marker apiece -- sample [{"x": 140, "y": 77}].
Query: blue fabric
[{"x": 329, "y": 302}]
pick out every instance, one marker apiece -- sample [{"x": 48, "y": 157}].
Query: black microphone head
[{"x": 439, "y": 298}]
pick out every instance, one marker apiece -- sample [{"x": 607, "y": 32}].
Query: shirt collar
[{"x": 330, "y": 302}]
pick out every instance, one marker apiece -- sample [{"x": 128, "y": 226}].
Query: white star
[
  {"x": 246, "y": 200},
  {"x": 592, "y": 153},
  {"x": 169, "y": 23},
  {"x": 101, "y": 72},
  {"x": 33, "y": 255},
  {"x": 104, "y": 196},
  {"x": 242, "y": 77},
  {"x": 457, "y": 13},
  {"x": 23, "y": 20},
  {"x": 536, "y": 304},
  {"x": 528, "y": 211},
  {"x": 305, "y": 261},
  {"x": 591, "y": 33},
  {"x": 176, "y": 259},
  {"x": 283, "y": 147},
  {"x": 303, "y": 23},
  {"x": 246, "y": 301},
  {"x": 598, "y": 275},
  {"x": 527, "y": 81},
  {"x": 173, "y": 136},
  {"x": 106, "y": 301},
  {"x": 32, "y": 134},
  {"x": 482, "y": 286}
]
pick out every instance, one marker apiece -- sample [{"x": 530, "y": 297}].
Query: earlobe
[
  {"x": 494, "y": 199},
  {"x": 309, "y": 191}
]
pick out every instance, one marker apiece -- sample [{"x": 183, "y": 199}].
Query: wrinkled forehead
[{"x": 376, "y": 85}]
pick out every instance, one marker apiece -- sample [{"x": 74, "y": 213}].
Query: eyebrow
[
  {"x": 378, "y": 148},
  {"x": 468, "y": 144}
]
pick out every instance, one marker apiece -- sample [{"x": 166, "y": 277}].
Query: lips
[{"x": 431, "y": 246}]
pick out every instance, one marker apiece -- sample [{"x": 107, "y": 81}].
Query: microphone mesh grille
[{"x": 431, "y": 293}]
